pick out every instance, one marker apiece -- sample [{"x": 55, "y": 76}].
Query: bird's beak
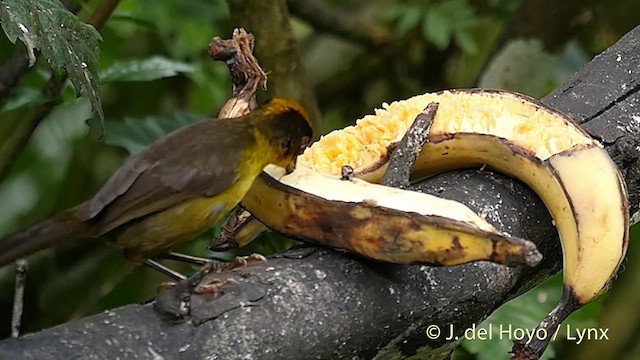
[{"x": 291, "y": 166}]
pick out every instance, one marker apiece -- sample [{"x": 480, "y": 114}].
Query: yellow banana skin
[
  {"x": 577, "y": 180},
  {"x": 581, "y": 187},
  {"x": 517, "y": 135},
  {"x": 602, "y": 233},
  {"x": 514, "y": 134},
  {"x": 573, "y": 175},
  {"x": 379, "y": 222}
]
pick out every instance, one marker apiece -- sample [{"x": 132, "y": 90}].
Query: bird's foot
[
  {"x": 174, "y": 299},
  {"x": 214, "y": 287},
  {"x": 243, "y": 261}
]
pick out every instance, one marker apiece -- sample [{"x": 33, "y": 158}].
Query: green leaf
[
  {"x": 447, "y": 20},
  {"x": 69, "y": 45},
  {"x": 144, "y": 70},
  {"x": 409, "y": 19},
  {"x": 135, "y": 134},
  {"x": 466, "y": 42},
  {"x": 435, "y": 28},
  {"x": 23, "y": 96},
  {"x": 522, "y": 65},
  {"x": 525, "y": 313},
  {"x": 186, "y": 27}
]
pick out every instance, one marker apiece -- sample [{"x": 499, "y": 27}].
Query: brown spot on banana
[
  {"x": 400, "y": 227},
  {"x": 517, "y": 135}
]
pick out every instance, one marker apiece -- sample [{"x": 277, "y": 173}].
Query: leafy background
[{"x": 153, "y": 74}]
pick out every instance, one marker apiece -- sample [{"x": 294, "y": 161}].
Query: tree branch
[
  {"x": 102, "y": 13},
  {"x": 327, "y": 19},
  {"x": 277, "y": 51},
  {"x": 12, "y": 70},
  {"x": 246, "y": 73},
  {"x": 334, "y": 305}
]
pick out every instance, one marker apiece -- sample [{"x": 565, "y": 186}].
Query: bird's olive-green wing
[{"x": 200, "y": 160}]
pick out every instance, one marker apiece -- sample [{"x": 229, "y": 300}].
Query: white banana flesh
[
  {"x": 380, "y": 222},
  {"x": 573, "y": 175},
  {"x": 514, "y": 134}
]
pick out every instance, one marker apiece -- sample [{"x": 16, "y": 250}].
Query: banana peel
[
  {"x": 514, "y": 134},
  {"x": 517, "y": 135},
  {"x": 380, "y": 222}
]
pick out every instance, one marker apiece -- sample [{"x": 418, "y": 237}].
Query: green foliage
[
  {"x": 525, "y": 312},
  {"x": 156, "y": 76},
  {"x": 23, "y": 96},
  {"x": 153, "y": 68},
  {"x": 69, "y": 45},
  {"x": 440, "y": 22},
  {"x": 538, "y": 71},
  {"x": 38, "y": 176},
  {"x": 533, "y": 78},
  {"x": 146, "y": 80},
  {"x": 448, "y": 20},
  {"x": 135, "y": 134},
  {"x": 187, "y": 26}
]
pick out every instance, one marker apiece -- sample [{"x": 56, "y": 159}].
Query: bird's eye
[
  {"x": 303, "y": 144},
  {"x": 286, "y": 143}
]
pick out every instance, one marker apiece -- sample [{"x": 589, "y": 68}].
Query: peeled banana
[
  {"x": 514, "y": 134},
  {"x": 572, "y": 173},
  {"x": 380, "y": 222}
]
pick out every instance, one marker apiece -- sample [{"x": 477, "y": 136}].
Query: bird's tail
[{"x": 57, "y": 229}]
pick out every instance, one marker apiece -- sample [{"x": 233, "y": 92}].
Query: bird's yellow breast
[{"x": 159, "y": 232}]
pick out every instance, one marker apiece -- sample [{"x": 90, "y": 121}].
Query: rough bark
[{"x": 313, "y": 303}]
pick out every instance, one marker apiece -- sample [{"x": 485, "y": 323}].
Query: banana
[
  {"x": 380, "y": 222},
  {"x": 514, "y": 134}
]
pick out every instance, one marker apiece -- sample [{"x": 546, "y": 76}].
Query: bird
[{"x": 178, "y": 187}]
